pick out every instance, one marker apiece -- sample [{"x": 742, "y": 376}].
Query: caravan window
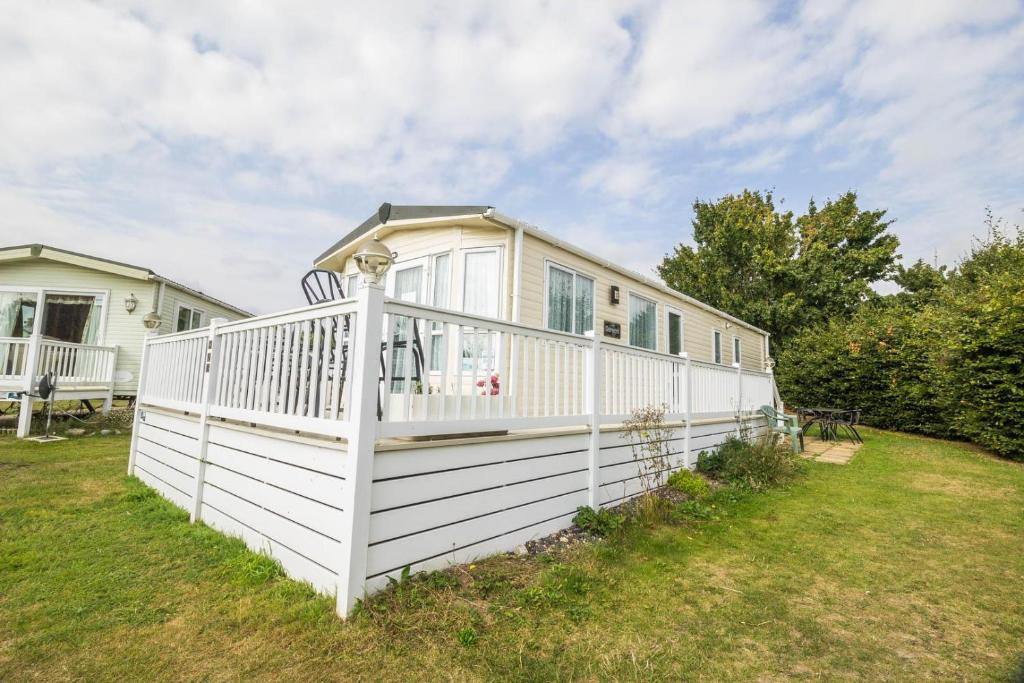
[
  {"x": 73, "y": 317},
  {"x": 188, "y": 319},
  {"x": 643, "y": 322},
  {"x": 17, "y": 313},
  {"x": 570, "y": 300}
]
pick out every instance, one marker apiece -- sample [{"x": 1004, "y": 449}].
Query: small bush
[
  {"x": 687, "y": 482},
  {"x": 757, "y": 466},
  {"x": 598, "y": 522}
]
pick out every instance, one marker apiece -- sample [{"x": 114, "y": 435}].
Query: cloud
[
  {"x": 225, "y": 144},
  {"x": 623, "y": 178}
]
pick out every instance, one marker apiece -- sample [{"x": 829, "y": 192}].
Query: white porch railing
[
  {"x": 74, "y": 366},
  {"x": 13, "y": 357},
  {"x": 79, "y": 371},
  {"x": 438, "y": 372}
]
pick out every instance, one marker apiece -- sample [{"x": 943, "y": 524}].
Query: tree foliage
[
  {"x": 781, "y": 273},
  {"x": 944, "y": 357}
]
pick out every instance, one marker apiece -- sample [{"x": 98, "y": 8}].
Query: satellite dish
[{"x": 46, "y": 386}]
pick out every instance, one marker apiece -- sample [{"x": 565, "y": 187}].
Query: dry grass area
[{"x": 906, "y": 564}]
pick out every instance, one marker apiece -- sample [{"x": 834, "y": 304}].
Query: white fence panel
[
  {"x": 715, "y": 389},
  {"x": 290, "y": 370},
  {"x": 446, "y": 372},
  {"x": 175, "y": 368},
  {"x": 13, "y": 355},
  {"x": 76, "y": 365},
  {"x": 634, "y": 379}
]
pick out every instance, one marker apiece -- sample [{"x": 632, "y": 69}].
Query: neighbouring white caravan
[{"x": 82, "y": 318}]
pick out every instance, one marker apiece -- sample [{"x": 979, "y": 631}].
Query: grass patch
[{"x": 907, "y": 564}]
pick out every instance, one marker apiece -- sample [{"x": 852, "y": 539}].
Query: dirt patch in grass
[{"x": 957, "y": 487}]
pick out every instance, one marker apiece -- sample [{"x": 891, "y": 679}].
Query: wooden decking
[{"x": 832, "y": 452}]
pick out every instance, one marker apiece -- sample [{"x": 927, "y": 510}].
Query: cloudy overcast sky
[{"x": 226, "y": 144}]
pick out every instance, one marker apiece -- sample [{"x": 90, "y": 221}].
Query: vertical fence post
[
  {"x": 25, "y": 410},
  {"x": 739, "y": 399},
  {"x": 593, "y": 371},
  {"x": 362, "y": 439},
  {"x": 139, "y": 394},
  {"x": 206, "y": 396},
  {"x": 688, "y": 383},
  {"x": 108, "y": 400}
]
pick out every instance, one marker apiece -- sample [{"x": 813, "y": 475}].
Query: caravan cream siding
[
  {"x": 120, "y": 329},
  {"x": 698, "y": 323},
  {"x": 174, "y": 298},
  {"x": 415, "y": 243}
]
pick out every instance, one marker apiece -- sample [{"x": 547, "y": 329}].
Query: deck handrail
[{"x": 440, "y": 372}]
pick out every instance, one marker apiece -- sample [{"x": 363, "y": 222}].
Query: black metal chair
[
  {"x": 418, "y": 363},
  {"x": 321, "y": 285}
]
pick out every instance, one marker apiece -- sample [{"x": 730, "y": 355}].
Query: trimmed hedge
[{"x": 948, "y": 366}]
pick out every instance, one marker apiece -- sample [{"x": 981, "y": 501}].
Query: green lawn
[{"x": 907, "y": 564}]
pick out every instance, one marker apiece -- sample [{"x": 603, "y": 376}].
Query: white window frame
[
  {"x": 629, "y": 319},
  {"x": 575, "y": 272},
  {"x": 717, "y": 334},
  {"x": 203, "y": 315},
  {"x": 737, "y": 350},
  {"x": 668, "y": 329},
  {"x": 41, "y": 292}
]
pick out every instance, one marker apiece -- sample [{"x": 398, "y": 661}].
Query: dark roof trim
[{"x": 388, "y": 212}]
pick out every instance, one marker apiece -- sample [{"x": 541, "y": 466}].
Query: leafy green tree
[
  {"x": 920, "y": 283},
  {"x": 945, "y": 357},
  {"x": 778, "y": 273}
]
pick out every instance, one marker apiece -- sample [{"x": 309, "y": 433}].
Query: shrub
[
  {"x": 687, "y": 482},
  {"x": 598, "y": 522},
  {"x": 756, "y": 465},
  {"x": 949, "y": 365}
]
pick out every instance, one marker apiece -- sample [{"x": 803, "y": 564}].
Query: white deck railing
[
  {"x": 437, "y": 372},
  {"x": 13, "y": 356},
  {"x": 74, "y": 366}
]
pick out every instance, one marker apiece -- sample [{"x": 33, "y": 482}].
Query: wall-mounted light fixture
[
  {"x": 151, "y": 320},
  {"x": 615, "y": 297},
  {"x": 130, "y": 303}
]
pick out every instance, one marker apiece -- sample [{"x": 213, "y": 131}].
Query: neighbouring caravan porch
[
  {"x": 80, "y": 371},
  {"x": 354, "y": 438}
]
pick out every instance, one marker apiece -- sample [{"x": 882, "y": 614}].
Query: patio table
[{"x": 830, "y": 421}]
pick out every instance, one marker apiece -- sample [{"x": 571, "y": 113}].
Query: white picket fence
[{"x": 302, "y": 432}]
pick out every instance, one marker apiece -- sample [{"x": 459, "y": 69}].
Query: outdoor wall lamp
[
  {"x": 130, "y": 303},
  {"x": 614, "y": 296},
  {"x": 373, "y": 259},
  {"x": 151, "y": 320}
]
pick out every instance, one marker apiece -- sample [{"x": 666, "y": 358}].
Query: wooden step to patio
[{"x": 832, "y": 452}]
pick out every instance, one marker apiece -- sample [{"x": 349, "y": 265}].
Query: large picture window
[
  {"x": 73, "y": 317},
  {"x": 643, "y": 322},
  {"x": 570, "y": 300}
]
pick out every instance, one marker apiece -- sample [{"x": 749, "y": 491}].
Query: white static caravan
[
  {"x": 81, "y": 318},
  {"x": 356, "y": 437}
]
